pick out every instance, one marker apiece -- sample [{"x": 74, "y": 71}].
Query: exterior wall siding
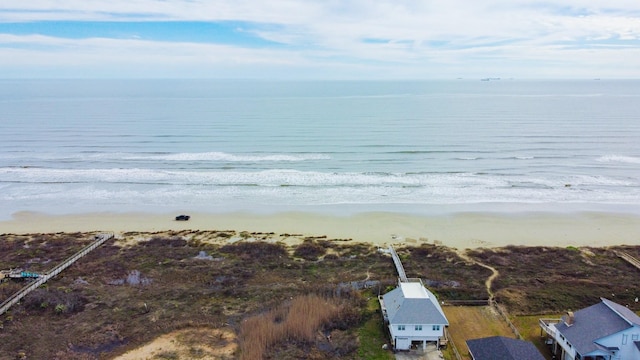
[
  {"x": 570, "y": 351},
  {"x": 426, "y": 334},
  {"x": 624, "y": 341},
  {"x": 410, "y": 331}
]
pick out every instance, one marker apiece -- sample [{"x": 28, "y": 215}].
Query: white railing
[
  {"x": 399, "y": 267},
  {"x": 546, "y": 325}
]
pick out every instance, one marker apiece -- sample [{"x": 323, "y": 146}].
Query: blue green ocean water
[{"x": 71, "y": 146}]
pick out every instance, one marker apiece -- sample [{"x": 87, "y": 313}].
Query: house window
[
  {"x": 401, "y": 327},
  {"x": 418, "y": 327},
  {"x": 634, "y": 337},
  {"x": 625, "y": 337},
  {"x": 435, "y": 327}
]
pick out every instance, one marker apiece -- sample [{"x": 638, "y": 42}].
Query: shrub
[
  {"x": 309, "y": 250},
  {"x": 160, "y": 241},
  {"x": 256, "y": 250},
  {"x": 60, "y": 301}
]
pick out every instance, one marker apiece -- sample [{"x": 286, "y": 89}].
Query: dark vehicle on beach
[{"x": 182, "y": 217}]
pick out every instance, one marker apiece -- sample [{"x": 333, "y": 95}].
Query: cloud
[{"x": 356, "y": 38}]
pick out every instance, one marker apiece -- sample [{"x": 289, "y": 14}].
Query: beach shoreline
[{"x": 457, "y": 230}]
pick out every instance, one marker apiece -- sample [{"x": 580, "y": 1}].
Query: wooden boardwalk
[
  {"x": 399, "y": 267},
  {"x": 628, "y": 258},
  {"x": 6, "y": 305}
]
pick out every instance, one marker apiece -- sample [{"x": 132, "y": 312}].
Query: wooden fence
[
  {"x": 456, "y": 353},
  {"x": 466, "y": 302},
  {"x": 500, "y": 309}
]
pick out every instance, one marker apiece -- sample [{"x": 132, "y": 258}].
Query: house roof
[
  {"x": 623, "y": 311},
  {"x": 412, "y": 303},
  {"x": 610, "y": 317},
  {"x": 503, "y": 348}
]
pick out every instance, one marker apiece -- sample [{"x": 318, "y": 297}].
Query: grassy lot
[
  {"x": 472, "y": 322},
  {"x": 372, "y": 334},
  {"x": 530, "y": 330}
]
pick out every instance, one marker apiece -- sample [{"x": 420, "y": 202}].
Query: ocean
[{"x": 174, "y": 146}]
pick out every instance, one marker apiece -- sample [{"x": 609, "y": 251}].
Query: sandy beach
[{"x": 459, "y": 230}]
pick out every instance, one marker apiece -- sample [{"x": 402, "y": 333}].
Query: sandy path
[
  {"x": 489, "y": 282},
  {"x": 205, "y": 344}
]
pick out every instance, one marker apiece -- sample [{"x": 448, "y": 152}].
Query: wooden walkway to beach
[
  {"x": 399, "y": 267},
  {"x": 100, "y": 239},
  {"x": 628, "y": 258}
]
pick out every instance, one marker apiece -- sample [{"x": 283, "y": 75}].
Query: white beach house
[{"x": 413, "y": 315}]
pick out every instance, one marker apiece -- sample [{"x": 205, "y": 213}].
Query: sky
[{"x": 323, "y": 39}]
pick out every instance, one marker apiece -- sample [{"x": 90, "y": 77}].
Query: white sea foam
[
  {"x": 620, "y": 159},
  {"x": 175, "y": 157},
  {"x": 226, "y": 157},
  {"x": 276, "y": 177},
  {"x": 202, "y": 196},
  {"x": 300, "y": 187}
]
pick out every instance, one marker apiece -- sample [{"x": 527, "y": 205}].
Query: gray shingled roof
[
  {"x": 610, "y": 317},
  {"x": 629, "y": 315},
  {"x": 401, "y": 310},
  {"x": 503, "y": 348}
]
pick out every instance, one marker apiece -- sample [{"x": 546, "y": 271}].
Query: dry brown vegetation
[
  {"x": 144, "y": 285},
  {"x": 298, "y": 321},
  {"x": 443, "y": 271},
  {"x": 129, "y": 292},
  {"x": 538, "y": 280},
  {"x": 311, "y": 250}
]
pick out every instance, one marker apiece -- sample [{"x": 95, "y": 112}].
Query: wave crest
[
  {"x": 226, "y": 157},
  {"x": 620, "y": 159}
]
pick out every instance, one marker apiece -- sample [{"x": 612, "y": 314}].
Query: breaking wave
[{"x": 620, "y": 159}]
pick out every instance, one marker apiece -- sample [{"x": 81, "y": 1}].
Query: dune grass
[{"x": 299, "y": 320}]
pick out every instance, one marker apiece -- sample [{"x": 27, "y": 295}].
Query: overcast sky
[{"x": 330, "y": 39}]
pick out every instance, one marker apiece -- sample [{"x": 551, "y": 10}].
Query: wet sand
[{"x": 458, "y": 230}]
